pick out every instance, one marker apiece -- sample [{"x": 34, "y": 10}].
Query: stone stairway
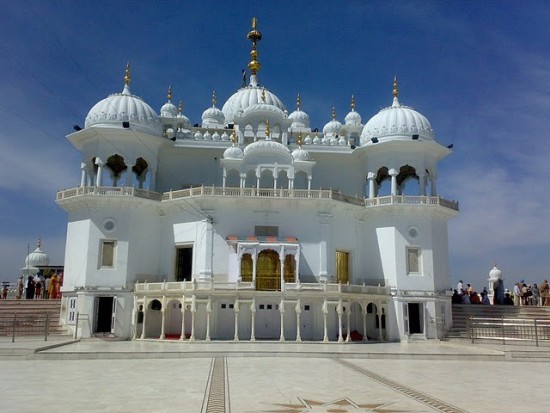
[
  {"x": 461, "y": 314},
  {"x": 30, "y": 317}
]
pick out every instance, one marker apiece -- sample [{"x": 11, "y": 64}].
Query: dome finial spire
[
  {"x": 267, "y": 130},
  {"x": 254, "y": 36},
  {"x": 395, "y": 91},
  {"x": 333, "y": 113},
  {"x": 180, "y": 108},
  {"x": 352, "y": 103},
  {"x": 169, "y": 96},
  {"x": 127, "y": 77},
  {"x": 300, "y": 139},
  {"x": 213, "y": 98},
  {"x": 298, "y": 102}
]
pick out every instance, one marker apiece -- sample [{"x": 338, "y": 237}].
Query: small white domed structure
[
  {"x": 352, "y": 118},
  {"x": 233, "y": 152},
  {"x": 169, "y": 110},
  {"x": 495, "y": 273},
  {"x": 299, "y": 118},
  {"x": 333, "y": 127},
  {"x": 183, "y": 121},
  {"x": 213, "y": 117},
  {"x": 248, "y": 96},
  {"x": 35, "y": 259},
  {"x": 397, "y": 122},
  {"x": 124, "y": 107}
]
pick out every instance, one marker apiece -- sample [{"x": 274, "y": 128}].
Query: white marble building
[{"x": 252, "y": 226}]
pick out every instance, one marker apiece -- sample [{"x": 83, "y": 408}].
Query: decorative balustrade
[{"x": 202, "y": 191}]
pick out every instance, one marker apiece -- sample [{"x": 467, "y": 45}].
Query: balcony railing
[{"x": 202, "y": 191}]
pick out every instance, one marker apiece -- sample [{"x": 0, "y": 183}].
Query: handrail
[
  {"x": 511, "y": 329},
  {"x": 24, "y": 325},
  {"x": 201, "y": 191}
]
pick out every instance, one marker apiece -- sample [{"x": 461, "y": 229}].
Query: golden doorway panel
[
  {"x": 268, "y": 271},
  {"x": 342, "y": 267}
]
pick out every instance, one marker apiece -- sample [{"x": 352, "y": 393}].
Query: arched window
[
  {"x": 268, "y": 271},
  {"x": 290, "y": 269},
  {"x": 246, "y": 268}
]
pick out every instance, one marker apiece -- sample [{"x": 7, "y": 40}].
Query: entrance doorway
[
  {"x": 415, "y": 318},
  {"x": 184, "y": 263},
  {"x": 105, "y": 314}
]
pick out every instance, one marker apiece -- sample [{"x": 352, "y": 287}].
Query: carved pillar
[
  {"x": 144, "y": 319},
  {"x": 208, "y": 312},
  {"x": 236, "y": 311},
  {"x": 348, "y": 335},
  {"x": 324, "y": 309},
  {"x": 193, "y": 312},
  {"x": 253, "y": 320},
  {"x": 163, "y": 318},
  {"x": 83, "y": 174},
  {"x": 98, "y": 179},
  {"x": 379, "y": 315},
  {"x": 182, "y": 337},
  {"x": 371, "y": 177},
  {"x": 364, "y": 312},
  {"x": 324, "y": 247},
  {"x": 393, "y": 173},
  {"x": 282, "y": 312},
  {"x": 339, "y": 311},
  {"x": 421, "y": 184},
  {"x": 298, "y": 309}
]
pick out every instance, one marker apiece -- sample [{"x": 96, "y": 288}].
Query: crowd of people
[
  {"x": 39, "y": 287},
  {"x": 522, "y": 294}
]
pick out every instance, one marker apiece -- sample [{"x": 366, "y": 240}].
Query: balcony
[{"x": 213, "y": 191}]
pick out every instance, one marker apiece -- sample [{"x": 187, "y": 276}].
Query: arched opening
[
  {"x": 246, "y": 268},
  {"x": 266, "y": 179},
  {"x": 250, "y": 181},
  {"x": 268, "y": 271},
  {"x": 290, "y": 269},
  {"x": 232, "y": 179},
  {"x": 116, "y": 165},
  {"x": 383, "y": 182},
  {"x": 373, "y": 323},
  {"x": 173, "y": 320},
  {"x": 154, "y": 319},
  {"x": 282, "y": 179},
  {"x": 356, "y": 322},
  {"x": 300, "y": 180},
  {"x": 407, "y": 181},
  {"x": 140, "y": 171}
]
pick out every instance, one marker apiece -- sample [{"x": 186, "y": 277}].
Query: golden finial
[
  {"x": 127, "y": 77},
  {"x": 267, "y": 130},
  {"x": 333, "y": 113},
  {"x": 254, "y": 36},
  {"x": 263, "y": 94},
  {"x": 169, "y": 96},
  {"x": 234, "y": 137},
  {"x": 298, "y": 102},
  {"x": 213, "y": 98},
  {"x": 180, "y": 107},
  {"x": 352, "y": 103},
  {"x": 395, "y": 87},
  {"x": 300, "y": 138},
  {"x": 38, "y": 243}
]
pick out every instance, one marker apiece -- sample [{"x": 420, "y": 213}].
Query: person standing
[
  {"x": 52, "y": 287},
  {"x": 20, "y": 287},
  {"x": 517, "y": 294},
  {"x": 544, "y": 293},
  {"x": 29, "y": 291}
]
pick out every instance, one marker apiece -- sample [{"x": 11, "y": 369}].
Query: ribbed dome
[
  {"x": 233, "y": 152},
  {"x": 264, "y": 108},
  {"x": 168, "y": 110},
  {"x": 397, "y": 120},
  {"x": 332, "y": 128},
  {"x": 353, "y": 118},
  {"x": 37, "y": 258},
  {"x": 213, "y": 114},
  {"x": 299, "y": 118},
  {"x": 248, "y": 96},
  {"x": 301, "y": 155},
  {"x": 124, "y": 107},
  {"x": 183, "y": 121},
  {"x": 267, "y": 146}
]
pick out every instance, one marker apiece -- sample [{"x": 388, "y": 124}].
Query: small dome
[
  {"x": 168, "y": 110},
  {"x": 316, "y": 140},
  {"x": 301, "y": 154},
  {"x": 333, "y": 127},
  {"x": 334, "y": 141},
  {"x": 213, "y": 115},
  {"x": 225, "y": 136},
  {"x": 397, "y": 120},
  {"x": 308, "y": 140},
  {"x": 233, "y": 152},
  {"x": 124, "y": 107},
  {"x": 216, "y": 136},
  {"x": 342, "y": 141},
  {"x": 206, "y": 136},
  {"x": 299, "y": 118},
  {"x": 325, "y": 140},
  {"x": 353, "y": 118},
  {"x": 264, "y": 108},
  {"x": 495, "y": 273},
  {"x": 248, "y": 96},
  {"x": 266, "y": 145},
  {"x": 37, "y": 258},
  {"x": 198, "y": 135}
]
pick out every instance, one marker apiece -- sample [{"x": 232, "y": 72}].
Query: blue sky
[{"x": 477, "y": 70}]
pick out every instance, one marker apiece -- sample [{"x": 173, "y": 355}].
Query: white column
[
  {"x": 364, "y": 312},
  {"x": 208, "y": 312},
  {"x": 254, "y": 261},
  {"x": 379, "y": 315},
  {"x": 83, "y": 174},
  {"x": 193, "y": 312},
  {"x": 393, "y": 173},
  {"x": 339, "y": 312},
  {"x": 348, "y": 335},
  {"x": 144, "y": 319},
  {"x": 223, "y": 177},
  {"x": 282, "y": 312},
  {"x": 182, "y": 337},
  {"x": 324, "y": 221},
  {"x": 206, "y": 272},
  {"x": 243, "y": 180},
  {"x": 324, "y": 309},
  {"x": 98, "y": 178},
  {"x": 421, "y": 184},
  {"x": 163, "y": 318},
  {"x": 236, "y": 311},
  {"x": 298, "y": 309},
  {"x": 371, "y": 177},
  {"x": 297, "y": 262},
  {"x": 253, "y": 320},
  {"x": 282, "y": 261},
  {"x": 309, "y": 183},
  {"x": 434, "y": 185}
]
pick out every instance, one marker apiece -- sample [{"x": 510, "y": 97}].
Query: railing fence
[
  {"x": 509, "y": 329},
  {"x": 18, "y": 325}
]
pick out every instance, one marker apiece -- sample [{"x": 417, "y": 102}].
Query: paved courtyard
[{"x": 100, "y": 376}]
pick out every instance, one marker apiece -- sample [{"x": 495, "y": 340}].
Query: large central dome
[{"x": 248, "y": 96}]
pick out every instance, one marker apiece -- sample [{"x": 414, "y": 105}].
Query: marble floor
[{"x": 234, "y": 378}]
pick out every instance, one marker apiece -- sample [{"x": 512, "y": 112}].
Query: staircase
[
  {"x": 462, "y": 312},
  {"x": 30, "y": 317}
]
